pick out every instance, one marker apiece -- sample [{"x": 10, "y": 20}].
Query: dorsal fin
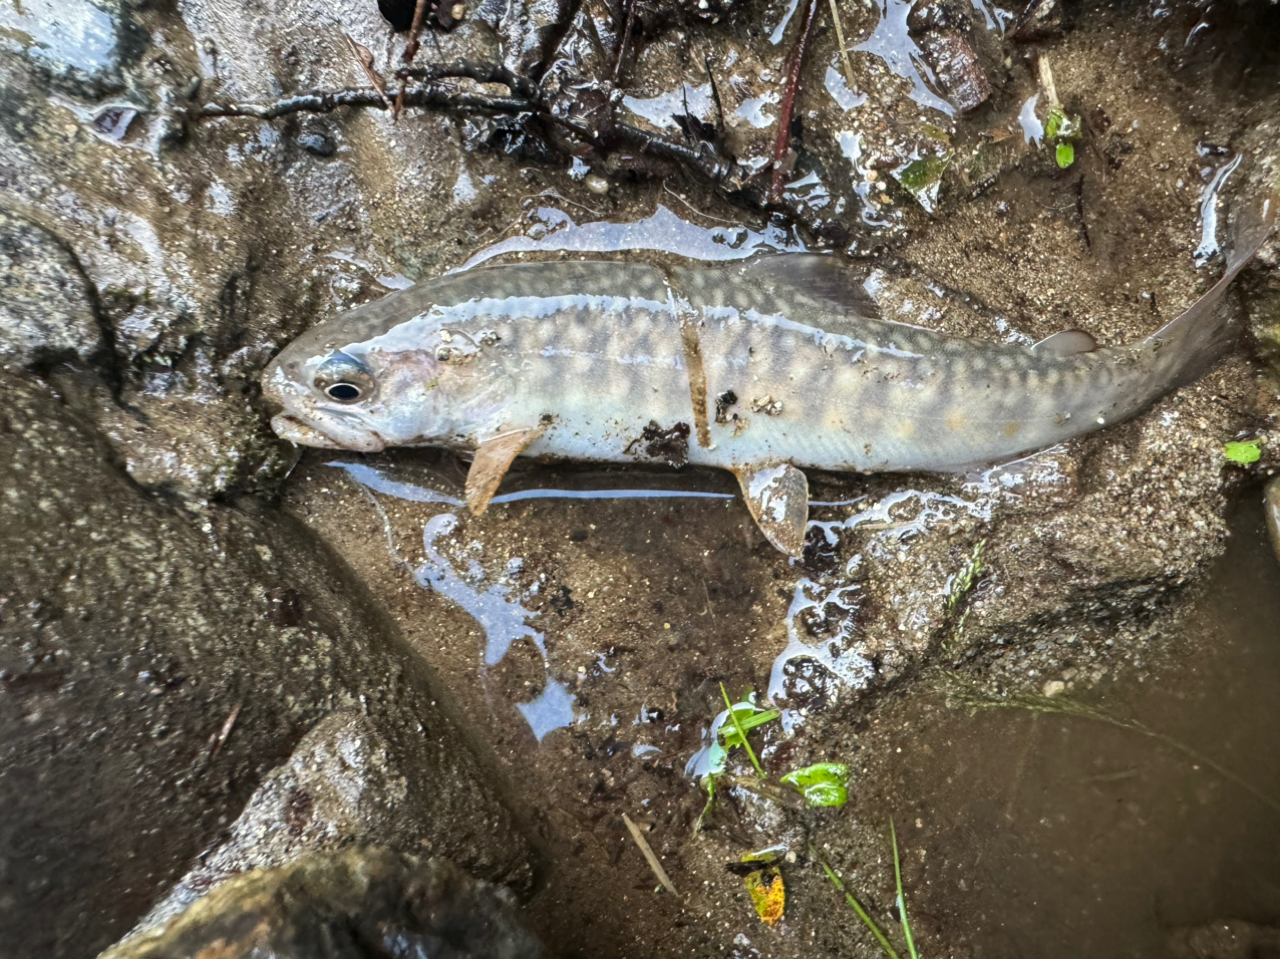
[
  {"x": 812, "y": 274},
  {"x": 1066, "y": 343}
]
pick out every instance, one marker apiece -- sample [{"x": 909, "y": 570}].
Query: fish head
[{"x": 368, "y": 393}]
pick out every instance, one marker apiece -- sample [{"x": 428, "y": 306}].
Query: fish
[{"x": 763, "y": 367}]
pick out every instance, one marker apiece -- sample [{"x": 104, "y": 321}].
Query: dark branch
[
  {"x": 426, "y": 95},
  {"x": 526, "y": 98},
  {"x": 474, "y": 70}
]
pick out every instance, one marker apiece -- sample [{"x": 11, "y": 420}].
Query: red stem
[{"x": 782, "y": 143}]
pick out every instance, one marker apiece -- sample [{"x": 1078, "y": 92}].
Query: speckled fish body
[{"x": 744, "y": 367}]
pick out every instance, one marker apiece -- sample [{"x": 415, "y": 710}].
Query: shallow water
[{"x": 1036, "y": 833}]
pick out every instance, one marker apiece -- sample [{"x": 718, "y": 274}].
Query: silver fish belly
[{"x": 763, "y": 367}]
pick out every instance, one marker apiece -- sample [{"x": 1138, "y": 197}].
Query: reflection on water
[
  {"x": 891, "y": 42},
  {"x": 824, "y": 656},
  {"x": 1209, "y": 244},
  {"x": 504, "y": 619},
  {"x": 74, "y": 33},
  {"x": 664, "y": 231},
  {"x": 552, "y": 709},
  {"x": 494, "y": 603},
  {"x": 1054, "y": 835},
  {"x": 831, "y": 612},
  {"x": 380, "y": 481}
]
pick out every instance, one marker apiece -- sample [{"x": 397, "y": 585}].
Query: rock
[
  {"x": 47, "y": 307},
  {"x": 340, "y": 787},
  {"x": 1039, "y": 20},
  {"x": 1224, "y": 939},
  {"x": 152, "y": 668},
  {"x": 349, "y": 904},
  {"x": 940, "y": 29}
]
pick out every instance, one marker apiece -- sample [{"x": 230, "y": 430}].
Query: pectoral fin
[
  {"x": 778, "y": 496},
  {"x": 492, "y": 460},
  {"x": 1066, "y": 343}
]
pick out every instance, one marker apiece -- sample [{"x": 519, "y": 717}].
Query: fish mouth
[{"x": 290, "y": 428}]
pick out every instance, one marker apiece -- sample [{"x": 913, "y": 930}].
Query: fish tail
[{"x": 1207, "y": 331}]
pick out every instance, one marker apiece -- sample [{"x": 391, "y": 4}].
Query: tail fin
[{"x": 1204, "y": 333}]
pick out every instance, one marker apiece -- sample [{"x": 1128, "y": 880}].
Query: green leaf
[
  {"x": 857, "y": 906},
  {"x": 748, "y": 717},
  {"x": 1054, "y": 122},
  {"x": 822, "y": 784},
  {"x": 767, "y": 856},
  {"x": 1065, "y": 154},
  {"x": 922, "y": 178},
  {"x": 1244, "y": 453}
]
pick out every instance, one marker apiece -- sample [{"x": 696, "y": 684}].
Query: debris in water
[
  {"x": 768, "y": 893},
  {"x": 649, "y": 855},
  {"x": 1244, "y": 452},
  {"x": 822, "y": 784}
]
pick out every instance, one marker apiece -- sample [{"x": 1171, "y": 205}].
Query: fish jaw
[{"x": 290, "y": 428}]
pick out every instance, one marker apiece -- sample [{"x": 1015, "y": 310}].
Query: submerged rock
[
  {"x": 78, "y": 45},
  {"x": 1224, "y": 939},
  {"x": 362, "y": 903},
  {"x": 342, "y": 786}
]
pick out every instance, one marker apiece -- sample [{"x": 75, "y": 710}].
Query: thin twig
[
  {"x": 693, "y": 209},
  {"x": 216, "y": 743},
  {"x": 478, "y": 70},
  {"x": 628, "y": 25},
  {"x": 415, "y": 31},
  {"x": 364, "y": 57},
  {"x": 844, "y": 52},
  {"x": 426, "y": 95},
  {"x": 1048, "y": 84},
  {"x": 649, "y": 855},
  {"x": 740, "y": 182}
]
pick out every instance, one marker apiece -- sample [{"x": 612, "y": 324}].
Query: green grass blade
[
  {"x": 902, "y": 900},
  {"x": 857, "y": 908},
  {"x": 742, "y": 733}
]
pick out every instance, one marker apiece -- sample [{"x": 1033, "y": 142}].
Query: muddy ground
[{"x": 580, "y": 638}]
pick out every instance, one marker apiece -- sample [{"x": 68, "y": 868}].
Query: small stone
[
  {"x": 1054, "y": 687},
  {"x": 596, "y": 183},
  {"x": 317, "y": 144}
]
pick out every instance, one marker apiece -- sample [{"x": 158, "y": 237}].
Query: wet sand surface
[{"x": 585, "y": 623}]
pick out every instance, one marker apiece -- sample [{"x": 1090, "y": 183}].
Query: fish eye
[
  {"x": 344, "y": 392},
  {"x": 344, "y": 378}
]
